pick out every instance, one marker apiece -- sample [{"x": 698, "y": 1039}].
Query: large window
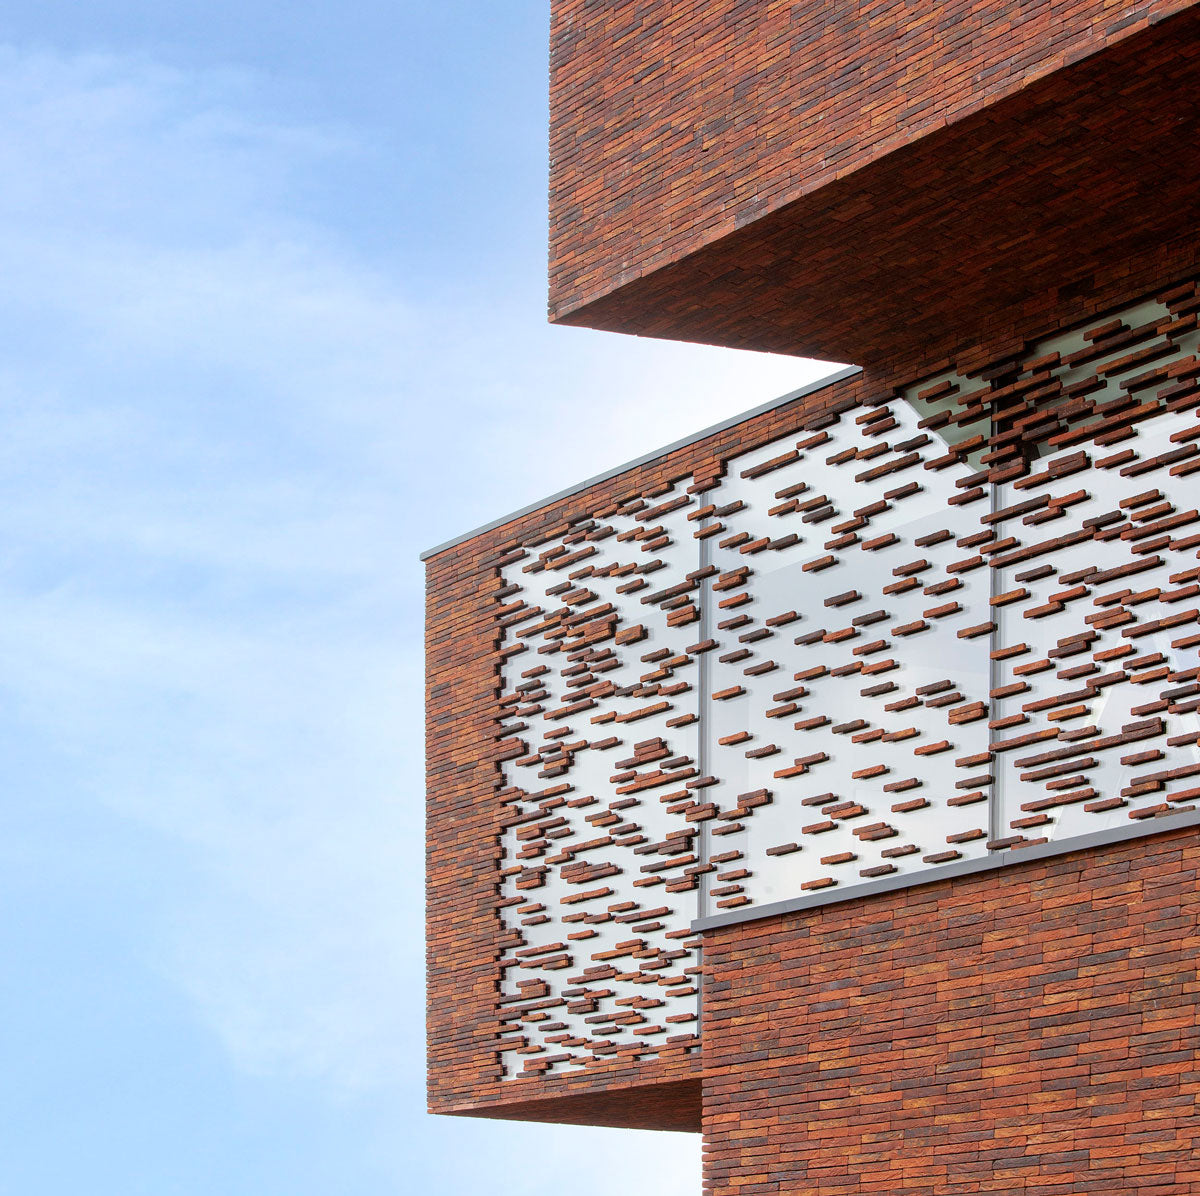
[{"x": 947, "y": 627}]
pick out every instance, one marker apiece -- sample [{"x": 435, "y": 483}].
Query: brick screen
[
  {"x": 1034, "y": 1031},
  {"x": 465, "y": 814}
]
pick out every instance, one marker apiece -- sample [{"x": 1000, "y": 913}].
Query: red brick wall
[
  {"x": 675, "y": 124},
  {"x": 1032, "y": 1031}
]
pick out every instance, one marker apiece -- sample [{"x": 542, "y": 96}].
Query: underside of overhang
[
  {"x": 675, "y": 1105},
  {"x": 1072, "y": 193}
]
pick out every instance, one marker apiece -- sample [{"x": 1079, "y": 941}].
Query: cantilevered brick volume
[{"x": 827, "y": 782}]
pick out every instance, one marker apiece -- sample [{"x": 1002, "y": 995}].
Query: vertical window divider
[
  {"x": 995, "y": 792},
  {"x": 703, "y": 684}
]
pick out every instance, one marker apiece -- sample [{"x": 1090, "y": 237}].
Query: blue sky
[{"x": 271, "y": 322}]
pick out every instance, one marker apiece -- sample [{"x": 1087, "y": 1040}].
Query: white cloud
[{"x": 224, "y": 437}]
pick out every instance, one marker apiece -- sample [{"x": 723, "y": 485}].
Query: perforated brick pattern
[{"x": 937, "y": 623}]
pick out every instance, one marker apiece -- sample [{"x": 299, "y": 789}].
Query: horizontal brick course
[
  {"x": 1035, "y": 1032},
  {"x": 976, "y": 195}
]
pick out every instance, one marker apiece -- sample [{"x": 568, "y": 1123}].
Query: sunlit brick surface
[{"x": 1029, "y": 1032}]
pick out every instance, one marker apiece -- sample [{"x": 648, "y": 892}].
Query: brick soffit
[{"x": 860, "y": 268}]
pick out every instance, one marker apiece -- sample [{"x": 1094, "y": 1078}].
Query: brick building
[{"x": 826, "y": 782}]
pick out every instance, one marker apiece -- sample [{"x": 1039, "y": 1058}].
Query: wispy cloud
[
  {"x": 200, "y": 585},
  {"x": 225, "y": 434}
]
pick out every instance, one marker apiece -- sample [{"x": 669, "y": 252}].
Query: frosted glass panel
[
  {"x": 1100, "y": 689},
  {"x": 599, "y": 863},
  {"x": 857, "y": 668}
]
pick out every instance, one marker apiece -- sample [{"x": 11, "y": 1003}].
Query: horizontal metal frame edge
[
  {"x": 711, "y": 430},
  {"x": 1006, "y": 859}
]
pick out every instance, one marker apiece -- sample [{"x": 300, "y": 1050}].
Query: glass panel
[
  {"x": 598, "y": 892},
  {"x": 1101, "y": 687},
  {"x": 850, "y": 683}
]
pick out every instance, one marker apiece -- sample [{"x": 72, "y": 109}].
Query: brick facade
[
  {"x": 1005, "y": 191},
  {"x": 993, "y": 210},
  {"x": 659, "y": 1086},
  {"x": 1031, "y": 1032},
  {"x": 674, "y": 124}
]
